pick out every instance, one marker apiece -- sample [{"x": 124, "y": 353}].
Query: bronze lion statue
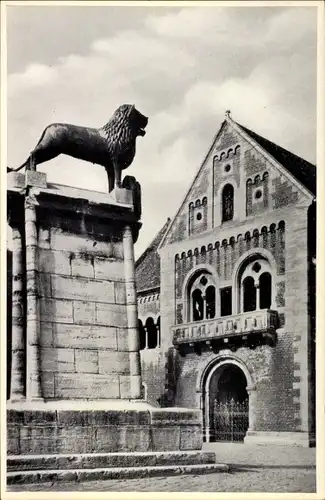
[{"x": 113, "y": 146}]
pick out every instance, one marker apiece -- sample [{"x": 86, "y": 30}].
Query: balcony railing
[{"x": 263, "y": 321}]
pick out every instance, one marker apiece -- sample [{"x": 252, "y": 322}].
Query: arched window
[
  {"x": 142, "y": 334},
  {"x": 151, "y": 333},
  {"x": 254, "y": 284},
  {"x": 265, "y": 290},
  {"x": 249, "y": 294},
  {"x": 227, "y": 203},
  {"x": 210, "y": 297},
  {"x": 201, "y": 297},
  {"x": 197, "y": 305}
]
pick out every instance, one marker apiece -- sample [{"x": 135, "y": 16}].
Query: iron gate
[{"x": 229, "y": 420}]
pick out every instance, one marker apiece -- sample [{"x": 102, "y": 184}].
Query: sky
[{"x": 183, "y": 67}]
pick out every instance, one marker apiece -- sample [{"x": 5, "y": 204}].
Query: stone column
[
  {"x": 33, "y": 388},
  {"x": 158, "y": 334},
  {"x": 17, "y": 386},
  {"x": 257, "y": 292},
  {"x": 251, "y": 391},
  {"x": 145, "y": 329},
  {"x": 132, "y": 315},
  {"x": 207, "y": 416}
]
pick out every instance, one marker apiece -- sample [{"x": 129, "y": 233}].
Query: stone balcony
[{"x": 248, "y": 329}]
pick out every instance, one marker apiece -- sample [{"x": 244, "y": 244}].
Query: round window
[
  {"x": 258, "y": 194},
  {"x": 227, "y": 168},
  {"x": 199, "y": 216}
]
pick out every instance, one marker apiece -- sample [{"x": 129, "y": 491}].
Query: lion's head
[{"x": 127, "y": 118}]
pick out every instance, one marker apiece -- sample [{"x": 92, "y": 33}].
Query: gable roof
[
  {"x": 301, "y": 169},
  {"x": 147, "y": 267}
]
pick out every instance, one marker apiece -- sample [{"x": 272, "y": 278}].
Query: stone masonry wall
[
  {"x": 84, "y": 352},
  {"x": 271, "y": 369},
  {"x": 270, "y": 213}
]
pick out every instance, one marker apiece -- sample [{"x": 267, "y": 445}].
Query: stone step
[
  {"x": 79, "y": 475},
  {"x": 18, "y": 463}
]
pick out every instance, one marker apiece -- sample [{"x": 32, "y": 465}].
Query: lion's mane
[{"x": 119, "y": 130}]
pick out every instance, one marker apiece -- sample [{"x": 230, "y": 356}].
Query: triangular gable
[
  {"x": 281, "y": 159},
  {"x": 186, "y": 197},
  {"x": 299, "y": 172},
  {"x": 302, "y": 170}
]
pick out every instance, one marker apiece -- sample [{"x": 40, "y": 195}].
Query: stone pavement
[
  {"x": 254, "y": 469},
  {"x": 262, "y": 455}
]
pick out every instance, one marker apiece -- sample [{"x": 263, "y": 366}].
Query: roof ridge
[
  {"x": 249, "y": 131},
  {"x": 303, "y": 171}
]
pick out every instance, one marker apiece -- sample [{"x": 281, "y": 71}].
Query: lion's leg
[
  {"x": 110, "y": 178},
  {"x": 117, "y": 175},
  {"x": 41, "y": 155},
  {"x": 31, "y": 165}
]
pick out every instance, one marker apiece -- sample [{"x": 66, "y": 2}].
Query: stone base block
[
  {"x": 303, "y": 439},
  {"x": 83, "y": 443},
  {"x": 50, "y": 431}
]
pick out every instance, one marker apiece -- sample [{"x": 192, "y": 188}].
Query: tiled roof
[
  {"x": 147, "y": 267},
  {"x": 302, "y": 170}
]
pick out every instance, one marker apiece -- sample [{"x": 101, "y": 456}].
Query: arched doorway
[{"x": 227, "y": 403}]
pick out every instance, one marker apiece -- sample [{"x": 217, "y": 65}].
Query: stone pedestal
[
  {"x": 75, "y": 310},
  {"x": 76, "y": 374}
]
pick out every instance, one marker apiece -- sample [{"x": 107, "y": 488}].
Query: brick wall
[
  {"x": 272, "y": 372},
  {"x": 154, "y": 370},
  {"x": 223, "y": 256}
]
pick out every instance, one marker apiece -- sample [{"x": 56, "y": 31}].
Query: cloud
[
  {"x": 35, "y": 75},
  {"x": 183, "y": 68}
]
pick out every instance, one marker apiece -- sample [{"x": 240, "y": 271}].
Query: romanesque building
[{"x": 226, "y": 295}]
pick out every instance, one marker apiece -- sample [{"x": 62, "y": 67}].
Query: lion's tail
[{"x": 19, "y": 168}]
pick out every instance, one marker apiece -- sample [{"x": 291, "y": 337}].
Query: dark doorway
[
  {"x": 265, "y": 290},
  {"x": 228, "y": 404},
  {"x": 226, "y": 301}
]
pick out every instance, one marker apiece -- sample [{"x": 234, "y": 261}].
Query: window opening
[{"x": 226, "y": 301}]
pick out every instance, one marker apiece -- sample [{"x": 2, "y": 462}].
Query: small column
[
  {"x": 145, "y": 329},
  {"x": 251, "y": 391},
  {"x": 33, "y": 389},
  {"x": 207, "y": 417},
  {"x": 257, "y": 288},
  {"x": 158, "y": 335},
  {"x": 132, "y": 315},
  {"x": 241, "y": 298},
  {"x": 17, "y": 386}
]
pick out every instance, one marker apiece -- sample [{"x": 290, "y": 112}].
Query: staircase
[{"x": 27, "y": 469}]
